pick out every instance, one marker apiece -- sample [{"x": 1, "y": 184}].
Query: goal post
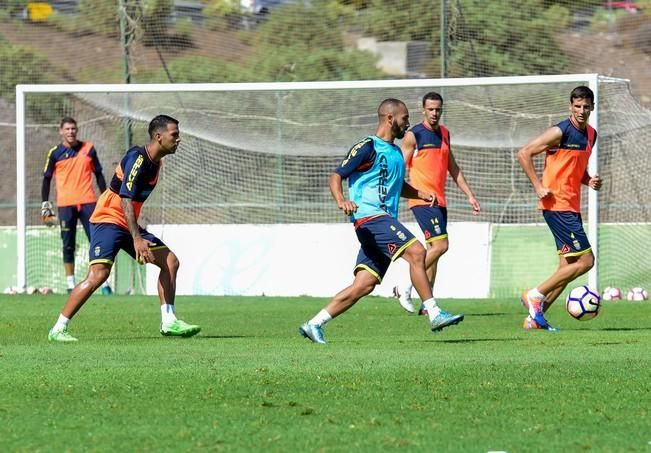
[{"x": 276, "y": 142}]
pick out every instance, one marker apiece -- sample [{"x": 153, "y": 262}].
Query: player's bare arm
[
  {"x": 143, "y": 254},
  {"x": 545, "y": 141},
  {"x": 460, "y": 181},
  {"x": 409, "y": 191},
  {"x": 337, "y": 191},
  {"x": 408, "y": 146}
]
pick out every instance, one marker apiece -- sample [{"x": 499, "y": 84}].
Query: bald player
[
  {"x": 375, "y": 171},
  {"x": 568, "y": 146}
]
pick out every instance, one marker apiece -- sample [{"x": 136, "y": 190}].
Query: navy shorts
[
  {"x": 68, "y": 216},
  {"x": 433, "y": 220},
  {"x": 383, "y": 239},
  {"x": 567, "y": 228},
  {"x": 107, "y": 239}
]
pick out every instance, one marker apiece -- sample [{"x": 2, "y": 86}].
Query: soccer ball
[
  {"x": 611, "y": 293},
  {"x": 637, "y": 294},
  {"x": 583, "y": 303}
]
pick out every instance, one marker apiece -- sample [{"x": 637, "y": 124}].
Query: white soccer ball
[
  {"x": 583, "y": 303},
  {"x": 611, "y": 293},
  {"x": 637, "y": 294}
]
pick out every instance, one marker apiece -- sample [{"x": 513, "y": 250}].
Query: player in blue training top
[
  {"x": 375, "y": 170},
  {"x": 114, "y": 227}
]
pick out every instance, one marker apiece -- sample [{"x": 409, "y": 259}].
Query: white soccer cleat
[{"x": 404, "y": 298}]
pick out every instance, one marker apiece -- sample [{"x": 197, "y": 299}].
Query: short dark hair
[
  {"x": 582, "y": 92},
  {"x": 432, "y": 96},
  {"x": 160, "y": 122},
  {"x": 391, "y": 103},
  {"x": 67, "y": 120}
]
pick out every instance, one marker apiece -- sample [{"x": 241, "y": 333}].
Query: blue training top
[{"x": 376, "y": 172}]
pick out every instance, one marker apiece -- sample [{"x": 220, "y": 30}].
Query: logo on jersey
[
  {"x": 382, "y": 188},
  {"x": 134, "y": 172}
]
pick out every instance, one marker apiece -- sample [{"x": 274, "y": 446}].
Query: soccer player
[
  {"x": 72, "y": 163},
  {"x": 114, "y": 226},
  {"x": 568, "y": 146},
  {"x": 428, "y": 156},
  {"x": 375, "y": 171}
]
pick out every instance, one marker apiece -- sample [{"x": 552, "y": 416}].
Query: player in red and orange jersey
[
  {"x": 72, "y": 163},
  {"x": 428, "y": 156},
  {"x": 114, "y": 227},
  {"x": 568, "y": 146}
]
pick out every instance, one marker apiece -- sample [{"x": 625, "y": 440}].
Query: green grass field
[{"x": 384, "y": 382}]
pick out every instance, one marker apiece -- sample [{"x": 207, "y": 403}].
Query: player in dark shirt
[{"x": 114, "y": 227}]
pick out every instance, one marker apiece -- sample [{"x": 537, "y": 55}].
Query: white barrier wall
[{"x": 307, "y": 259}]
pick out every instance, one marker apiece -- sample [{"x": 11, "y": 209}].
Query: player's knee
[
  {"x": 587, "y": 262},
  {"x": 173, "y": 262},
  {"x": 440, "y": 247},
  {"x": 68, "y": 253},
  {"x": 415, "y": 253},
  {"x": 98, "y": 274}
]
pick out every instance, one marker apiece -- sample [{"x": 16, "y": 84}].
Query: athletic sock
[
  {"x": 167, "y": 314},
  {"x": 320, "y": 319},
  {"x": 70, "y": 281},
  {"x": 432, "y": 308},
  {"x": 535, "y": 293},
  {"x": 61, "y": 324}
]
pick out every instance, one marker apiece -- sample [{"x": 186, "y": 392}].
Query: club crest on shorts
[{"x": 98, "y": 250}]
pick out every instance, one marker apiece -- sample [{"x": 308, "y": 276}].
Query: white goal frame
[{"x": 22, "y": 90}]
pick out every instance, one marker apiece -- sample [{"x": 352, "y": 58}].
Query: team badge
[
  {"x": 98, "y": 250},
  {"x": 401, "y": 235}
]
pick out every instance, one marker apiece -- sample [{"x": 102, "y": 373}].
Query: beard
[{"x": 398, "y": 132}]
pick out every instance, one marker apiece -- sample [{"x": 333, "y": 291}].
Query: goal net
[{"x": 254, "y": 161}]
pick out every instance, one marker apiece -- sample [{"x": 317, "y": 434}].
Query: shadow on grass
[
  {"x": 488, "y": 314},
  {"x": 222, "y": 337},
  {"x": 623, "y": 329},
  {"x": 473, "y": 340}
]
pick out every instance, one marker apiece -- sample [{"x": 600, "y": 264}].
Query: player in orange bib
[
  {"x": 114, "y": 227},
  {"x": 568, "y": 146},
  {"x": 72, "y": 163},
  {"x": 429, "y": 159}
]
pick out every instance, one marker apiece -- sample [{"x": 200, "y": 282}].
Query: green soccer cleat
[
  {"x": 179, "y": 329},
  {"x": 61, "y": 336}
]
